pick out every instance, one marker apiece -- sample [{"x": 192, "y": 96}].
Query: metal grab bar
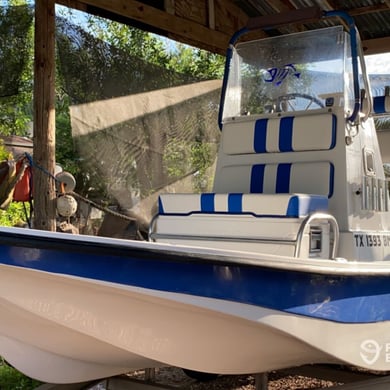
[
  {"x": 318, "y": 216},
  {"x": 152, "y": 225}
]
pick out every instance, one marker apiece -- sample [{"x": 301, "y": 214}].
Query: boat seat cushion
[
  {"x": 284, "y": 178},
  {"x": 381, "y": 104},
  {"x": 259, "y": 205},
  {"x": 286, "y": 134}
]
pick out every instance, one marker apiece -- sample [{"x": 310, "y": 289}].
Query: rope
[
  {"x": 78, "y": 196},
  {"x": 82, "y": 198},
  {"x": 102, "y": 208},
  {"x": 33, "y": 164}
]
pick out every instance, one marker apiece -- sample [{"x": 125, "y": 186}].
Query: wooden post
[{"x": 44, "y": 116}]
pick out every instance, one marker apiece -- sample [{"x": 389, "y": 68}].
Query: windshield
[{"x": 303, "y": 71}]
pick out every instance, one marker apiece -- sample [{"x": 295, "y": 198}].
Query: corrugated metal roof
[{"x": 372, "y": 17}]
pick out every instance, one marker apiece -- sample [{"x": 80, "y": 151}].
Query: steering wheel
[{"x": 282, "y": 102}]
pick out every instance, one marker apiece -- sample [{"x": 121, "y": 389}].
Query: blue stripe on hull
[{"x": 349, "y": 299}]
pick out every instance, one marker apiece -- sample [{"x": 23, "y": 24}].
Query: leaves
[
  {"x": 16, "y": 68},
  {"x": 11, "y": 379}
]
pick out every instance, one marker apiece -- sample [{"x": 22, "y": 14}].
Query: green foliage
[
  {"x": 15, "y": 215},
  {"x": 11, "y": 379},
  {"x": 154, "y": 65},
  {"x": 65, "y": 150},
  {"x": 4, "y": 154},
  {"x": 176, "y": 158},
  {"x": 181, "y": 157},
  {"x": 201, "y": 159},
  {"x": 136, "y": 42},
  {"x": 201, "y": 63},
  {"x": 137, "y": 59},
  {"x": 16, "y": 68}
]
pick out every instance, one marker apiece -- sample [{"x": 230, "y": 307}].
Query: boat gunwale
[{"x": 19, "y": 237}]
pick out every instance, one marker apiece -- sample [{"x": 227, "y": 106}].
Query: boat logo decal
[
  {"x": 370, "y": 351},
  {"x": 277, "y": 75}
]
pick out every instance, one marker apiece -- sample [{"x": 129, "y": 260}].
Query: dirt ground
[{"x": 175, "y": 377}]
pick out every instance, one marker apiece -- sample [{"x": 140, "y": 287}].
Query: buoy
[
  {"x": 68, "y": 181},
  {"x": 66, "y": 205}
]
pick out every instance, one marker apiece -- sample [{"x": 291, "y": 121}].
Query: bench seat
[
  {"x": 247, "y": 222},
  {"x": 258, "y": 205}
]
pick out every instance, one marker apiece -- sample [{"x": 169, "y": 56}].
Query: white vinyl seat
[
  {"x": 273, "y": 174},
  {"x": 381, "y": 105},
  {"x": 258, "y": 205}
]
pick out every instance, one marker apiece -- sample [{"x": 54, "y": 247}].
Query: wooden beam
[
  {"x": 44, "y": 193},
  {"x": 211, "y": 13},
  {"x": 184, "y": 29},
  {"x": 229, "y": 17},
  {"x": 194, "y": 11},
  {"x": 303, "y": 15},
  {"x": 169, "y": 6},
  {"x": 280, "y": 6},
  {"x": 376, "y": 46},
  {"x": 368, "y": 9},
  {"x": 356, "y": 11},
  {"x": 75, "y": 4}
]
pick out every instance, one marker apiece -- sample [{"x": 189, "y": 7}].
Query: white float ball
[{"x": 66, "y": 205}]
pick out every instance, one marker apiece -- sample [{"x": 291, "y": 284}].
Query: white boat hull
[{"x": 63, "y": 329}]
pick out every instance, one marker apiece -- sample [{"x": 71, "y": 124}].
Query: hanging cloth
[{"x": 23, "y": 188}]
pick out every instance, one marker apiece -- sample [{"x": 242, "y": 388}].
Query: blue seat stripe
[
  {"x": 293, "y": 207},
  {"x": 160, "y": 206},
  {"x": 283, "y": 179},
  {"x": 298, "y": 206},
  {"x": 260, "y": 138},
  {"x": 257, "y": 178},
  {"x": 334, "y": 132},
  {"x": 331, "y": 180},
  {"x": 379, "y": 104},
  {"x": 235, "y": 203},
  {"x": 207, "y": 204},
  {"x": 286, "y": 134}
]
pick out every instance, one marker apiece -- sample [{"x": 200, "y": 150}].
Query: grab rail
[{"x": 326, "y": 218}]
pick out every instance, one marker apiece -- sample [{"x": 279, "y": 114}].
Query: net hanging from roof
[{"x": 139, "y": 128}]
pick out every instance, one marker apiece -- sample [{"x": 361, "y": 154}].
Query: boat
[{"x": 285, "y": 263}]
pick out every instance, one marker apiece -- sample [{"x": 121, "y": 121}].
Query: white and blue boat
[{"x": 285, "y": 263}]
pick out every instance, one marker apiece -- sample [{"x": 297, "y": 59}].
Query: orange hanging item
[{"x": 23, "y": 188}]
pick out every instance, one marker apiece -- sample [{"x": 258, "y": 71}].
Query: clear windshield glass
[{"x": 303, "y": 71}]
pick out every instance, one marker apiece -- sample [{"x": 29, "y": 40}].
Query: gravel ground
[{"x": 175, "y": 377}]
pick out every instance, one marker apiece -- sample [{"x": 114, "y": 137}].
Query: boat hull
[
  {"x": 84, "y": 330},
  {"x": 209, "y": 311}
]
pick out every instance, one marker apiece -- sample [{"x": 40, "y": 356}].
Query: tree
[
  {"x": 197, "y": 62},
  {"x": 16, "y": 47},
  {"x": 123, "y": 60},
  {"x": 155, "y": 66}
]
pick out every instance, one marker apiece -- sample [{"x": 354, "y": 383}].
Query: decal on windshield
[{"x": 276, "y": 75}]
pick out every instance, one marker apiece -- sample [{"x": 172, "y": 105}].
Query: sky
[{"x": 378, "y": 63}]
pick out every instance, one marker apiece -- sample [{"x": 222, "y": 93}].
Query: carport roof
[{"x": 209, "y": 24}]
